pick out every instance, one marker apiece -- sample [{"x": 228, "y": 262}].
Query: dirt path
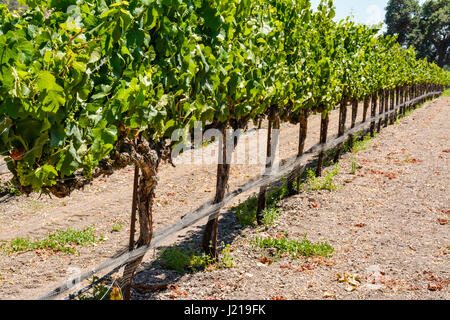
[{"x": 182, "y": 189}]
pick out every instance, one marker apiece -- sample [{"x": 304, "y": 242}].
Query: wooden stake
[
  {"x": 386, "y": 107},
  {"x": 381, "y": 109},
  {"x": 392, "y": 105},
  {"x": 210, "y": 234},
  {"x": 274, "y": 124},
  {"x": 301, "y": 141},
  {"x": 365, "y": 108},
  {"x": 127, "y": 288},
  {"x": 341, "y": 127},
  {"x": 323, "y": 139},
  {"x": 133, "y": 209},
  {"x": 354, "y": 115},
  {"x": 295, "y": 175},
  {"x": 397, "y": 102},
  {"x": 372, "y": 114}
]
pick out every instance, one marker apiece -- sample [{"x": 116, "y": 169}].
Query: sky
[{"x": 364, "y": 11}]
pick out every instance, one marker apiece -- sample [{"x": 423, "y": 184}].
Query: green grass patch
[
  {"x": 59, "y": 241},
  {"x": 359, "y": 143},
  {"x": 190, "y": 259},
  {"x": 182, "y": 260},
  {"x": 327, "y": 182},
  {"x": 446, "y": 93},
  {"x": 100, "y": 291},
  {"x": 270, "y": 214},
  {"x": 117, "y": 226},
  {"x": 354, "y": 165},
  {"x": 8, "y": 188},
  {"x": 278, "y": 193},
  {"x": 226, "y": 260},
  {"x": 362, "y": 143},
  {"x": 409, "y": 111},
  {"x": 295, "y": 248},
  {"x": 246, "y": 211}
]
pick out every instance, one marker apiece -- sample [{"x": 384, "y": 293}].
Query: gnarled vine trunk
[{"x": 147, "y": 160}]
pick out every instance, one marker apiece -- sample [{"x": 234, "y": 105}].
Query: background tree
[
  {"x": 402, "y": 18},
  {"x": 12, "y": 4},
  {"x": 425, "y": 27},
  {"x": 431, "y": 37}
]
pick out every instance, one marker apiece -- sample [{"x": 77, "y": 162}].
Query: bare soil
[{"x": 387, "y": 224}]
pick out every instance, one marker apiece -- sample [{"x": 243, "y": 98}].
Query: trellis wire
[
  {"x": 6, "y": 129},
  {"x": 3, "y": 131},
  {"x": 4, "y": 152}
]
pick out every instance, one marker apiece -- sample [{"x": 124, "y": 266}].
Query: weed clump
[
  {"x": 313, "y": 182},
  {"x": 190, "y": 259},
  {"x": 60, "y": 241},
  {"x": 295, "y": 248}
]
